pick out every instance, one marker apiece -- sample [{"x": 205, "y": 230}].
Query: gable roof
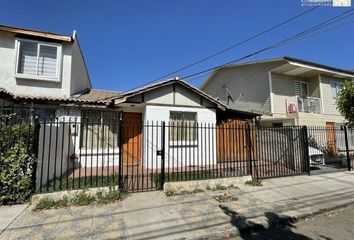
[
  {"x": 36, "y": 33},
  {"x": 285, "y": 59},
  {"x": 167, "y": 82}
]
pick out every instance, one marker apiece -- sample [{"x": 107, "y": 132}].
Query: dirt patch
[{"x": 226, "y": 197}]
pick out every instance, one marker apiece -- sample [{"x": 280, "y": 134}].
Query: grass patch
[
  {"x": 64, "y": 183},
  {"x": 81, "y": 199},
  {"x": 48, "y": 203},
  {"x": 254, "y": 182}
]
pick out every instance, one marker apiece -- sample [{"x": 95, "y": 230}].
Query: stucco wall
[
  {"x": 58, "y": 140},
  {"x": 69, "y": 81},
  {"x": 200, "y": 152},
  {"x": 79, "y": 74}
]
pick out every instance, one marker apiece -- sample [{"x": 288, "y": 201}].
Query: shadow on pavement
[{"x": 280, "y": 227}]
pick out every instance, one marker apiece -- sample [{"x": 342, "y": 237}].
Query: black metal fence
[
  {"x": 330, "y": 148},
  {"x": 281, "y": 152},
  {"x": 77, "y": 153}
]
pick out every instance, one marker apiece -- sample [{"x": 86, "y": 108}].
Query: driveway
[{"x": 152, "y": 215}]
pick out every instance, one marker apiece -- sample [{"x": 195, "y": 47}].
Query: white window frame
[
  {"x": 307, "y": 85},
  {"x": 39, "y": 77},
  {"x": 184, "y": 143},
  {"x": 336, "y": 84}
]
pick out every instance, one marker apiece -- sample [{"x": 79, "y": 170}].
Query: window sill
[{"x": 37, "y": 78}]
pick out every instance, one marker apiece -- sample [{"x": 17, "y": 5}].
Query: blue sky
[{"x": 128, "y": 43}]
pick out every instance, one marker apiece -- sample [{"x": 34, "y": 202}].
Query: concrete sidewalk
[
  {"x": 152, "y": 215},
  {"x": 8, "y": 214}
]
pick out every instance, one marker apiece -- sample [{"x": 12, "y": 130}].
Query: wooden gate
[{"x": 231, "y": 141}]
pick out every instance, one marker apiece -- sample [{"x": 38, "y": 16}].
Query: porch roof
[
  {"x": 303, "y": 68},
  {"x": 52, "y": 100}
]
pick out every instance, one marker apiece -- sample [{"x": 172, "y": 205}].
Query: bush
[{"x": 16, "y": 161}]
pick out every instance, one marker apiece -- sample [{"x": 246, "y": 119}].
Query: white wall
[
  {"x": 80, "y": 78},
  {"x": 72, "y": 69},
  {"x": 202, "y": 152},
  {"x": 58, "y": 140}
]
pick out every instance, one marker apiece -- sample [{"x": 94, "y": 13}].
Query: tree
[{"x": 345, "y": 102}]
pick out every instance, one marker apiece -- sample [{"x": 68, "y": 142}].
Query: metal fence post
[
  {"x": 120, "y": 165},
  {"x": 306, "y": 150},
  {"x": 249, "y": 149},
  {"x": 347, "y": 148},
  {"x": 162, "y": 175},
  {"x": 35, "y": 145}
]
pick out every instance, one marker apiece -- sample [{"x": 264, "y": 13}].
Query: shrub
[
  {"x": 82, "y": 199},
  {"x": 16, "y": 161}
]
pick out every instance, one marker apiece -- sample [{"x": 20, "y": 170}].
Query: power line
[
  {"x": 232, "y": 46},
  {"x": 301, "y": 39},
  {"x": 280, "y": 43}
]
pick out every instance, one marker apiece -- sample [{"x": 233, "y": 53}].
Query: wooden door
[
  {"x": 331, "y": 138},
  {"x": 131, "y": 138}
]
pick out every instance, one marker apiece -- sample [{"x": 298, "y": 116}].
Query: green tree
[{"x": 345, "y": 102}]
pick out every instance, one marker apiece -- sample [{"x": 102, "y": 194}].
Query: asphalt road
[{"x": 336, "y": 224}]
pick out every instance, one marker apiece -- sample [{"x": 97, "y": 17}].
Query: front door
[
  {"x": 132, "y": 138},
  {"x": 331, "y": 139}
]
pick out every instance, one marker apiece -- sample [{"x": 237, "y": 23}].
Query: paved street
[
  {"x": 337, "y": 224},
  {"x": 210, "y": 214}
]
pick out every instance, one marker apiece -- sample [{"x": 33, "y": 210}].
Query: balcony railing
[{"x": 304, "y": 104}]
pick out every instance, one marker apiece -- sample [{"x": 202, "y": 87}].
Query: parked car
[{"x": 316, "y": 157}]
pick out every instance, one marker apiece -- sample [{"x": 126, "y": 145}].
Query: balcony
[{"x": 304, "y": 104}]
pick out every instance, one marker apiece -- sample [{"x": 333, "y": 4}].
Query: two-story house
[{"x": 286, "y": 91}]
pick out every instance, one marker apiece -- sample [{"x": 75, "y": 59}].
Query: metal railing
[
  {"x": 141, "y": 156},
  {"x": 304, "y": 104},
  {"x": 331, "y": 148},
  {"x": 309, "y": 104}
]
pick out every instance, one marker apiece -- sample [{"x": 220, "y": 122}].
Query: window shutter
[
  {"x": 297, "y": 88},
  {"x": 27, "y": 58},
  {"x": 47, "y": 62}
]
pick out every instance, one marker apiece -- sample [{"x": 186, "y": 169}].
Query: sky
[{"x": 129, "y": 43}]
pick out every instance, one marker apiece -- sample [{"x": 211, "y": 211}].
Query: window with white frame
[
  {"x": 335, "y": 88},
  {"x": 183, "y": 127},
  {"x": 301, "y": 89},
  {"x": 99, "y": 130},
  {"x": 38, "y": 59}
]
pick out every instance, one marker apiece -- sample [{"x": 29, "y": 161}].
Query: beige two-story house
[{"x": 286, "y": 91}]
